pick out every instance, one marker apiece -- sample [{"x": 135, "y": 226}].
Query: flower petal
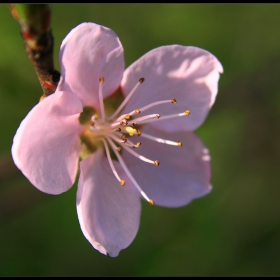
[
  {"x": 188, "y": 74},
  {"x": 46, "y": 145},
  {"x": 183, "y": 173},
  {"x": 108, "y": 213},
  {"x": 88, "y": 52}
]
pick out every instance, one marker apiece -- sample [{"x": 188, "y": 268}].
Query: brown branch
[{"x": 34, "y": 20}]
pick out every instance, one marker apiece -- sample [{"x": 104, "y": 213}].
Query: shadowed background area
[{"x": 235, "y": 230}]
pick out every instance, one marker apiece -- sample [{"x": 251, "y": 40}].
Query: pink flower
[{"x": 57, "y": 138}]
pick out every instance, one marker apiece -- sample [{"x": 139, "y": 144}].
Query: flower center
[{"x": 115, "y": 132}]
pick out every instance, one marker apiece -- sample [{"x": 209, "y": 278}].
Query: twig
[{"x": 34, "y": 20}]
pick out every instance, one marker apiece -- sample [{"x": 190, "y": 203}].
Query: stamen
[
  {"x": 122, "y": 140},
  {"x": 101, "y": 81},
  {"x": 160, "y": 140},
  {"x": 144, "y": 118},
  {"x": 122, "y": 182},
  {"x": 94, "y": 129},
  {"x": 129, "y": 174},
  {"x": 138, "y": 144},
  {"x": 155, "y": 162},
  {"x": 126, "y": 99},
  {"x": 91, "y": 123},
  {"x": 186, "y": 113},
  {"x": 152, "y": 202},
  {"x": 137, "y": 111},
  {"x": 123, "y": 122}
]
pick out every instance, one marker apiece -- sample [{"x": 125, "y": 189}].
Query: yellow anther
[
  {"x": 180, "y": 144},
  {"x": 173, "y": 101},
  {"x": 118, "y": 129},
  {"x": 139, "y": 132},
  {"x": 141, "y": 80},
  {"x": 119, "y": 149},
  {"x": 122, "y": 182},
  {"x": 137, "y": 111},
  {"x": 101, "y": 79},
  {"x": 96, "y": 116},
  {"x": 158, "y": 116},
  {"x": 127, "y": 117},
  {"x": 91, "y": 123},
  {"x": 123, "y": 137},
  {"x": 156, "y": 162},
  {"x": 187, "y": 112},
  {"x": 151, "y": 202}
]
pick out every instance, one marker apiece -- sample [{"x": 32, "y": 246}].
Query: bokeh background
[{"x": 235, "y": 230}]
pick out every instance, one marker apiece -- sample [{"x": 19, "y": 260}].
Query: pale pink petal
[
  {"x": 88, "y": 52},
  {"x": 183, "y": 173},
  {"x": 108, "y": 212},
  {"x": 188, "y": 74},
  {"x": 46, "y": 145}
]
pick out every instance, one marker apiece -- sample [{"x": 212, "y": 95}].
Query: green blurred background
[{"x": 235, "y": 230}]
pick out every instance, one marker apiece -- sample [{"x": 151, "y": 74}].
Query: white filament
[
  {"x": 127, "y": 171},
  {"x": 160, "y": 140}
]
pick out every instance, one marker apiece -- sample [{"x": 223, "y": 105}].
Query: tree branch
[{"x": 34, "y": 20}]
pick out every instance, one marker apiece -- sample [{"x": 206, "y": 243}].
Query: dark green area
[{"x": 235, "y": 230}]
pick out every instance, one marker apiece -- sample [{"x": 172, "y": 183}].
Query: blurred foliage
[{"x": 235, "y": 230}]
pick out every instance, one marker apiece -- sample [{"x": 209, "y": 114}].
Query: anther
[
  {"x": 122, "y": 182},
  {"x": 187, "y": 112},
  {"x": 180, "y": 144},
  {"x": 118, "y": 129},
  {"x": 157, "y": 116},
  {"x": 119, "y": 149},
  {"x": 151, "y": 202},
  {"x": 173, "y": 101},
  {"x": 91, "y": 123},
  {"x": 133, "y": 125},
  {"x": 138, "y": 144},
  {"x": 137, "y": 111},
  {"x": 123, "y": 137},
  {"x": 96, "y": 116},
  {"x": 139, "y": 132},
  {"x": 101, "y": 79},
  {"x": 156, "y": 162},
  {"x": 127, "y": 117},
  {"x": 141, "y": 80},
  {"x": 123, "y": 122}
]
